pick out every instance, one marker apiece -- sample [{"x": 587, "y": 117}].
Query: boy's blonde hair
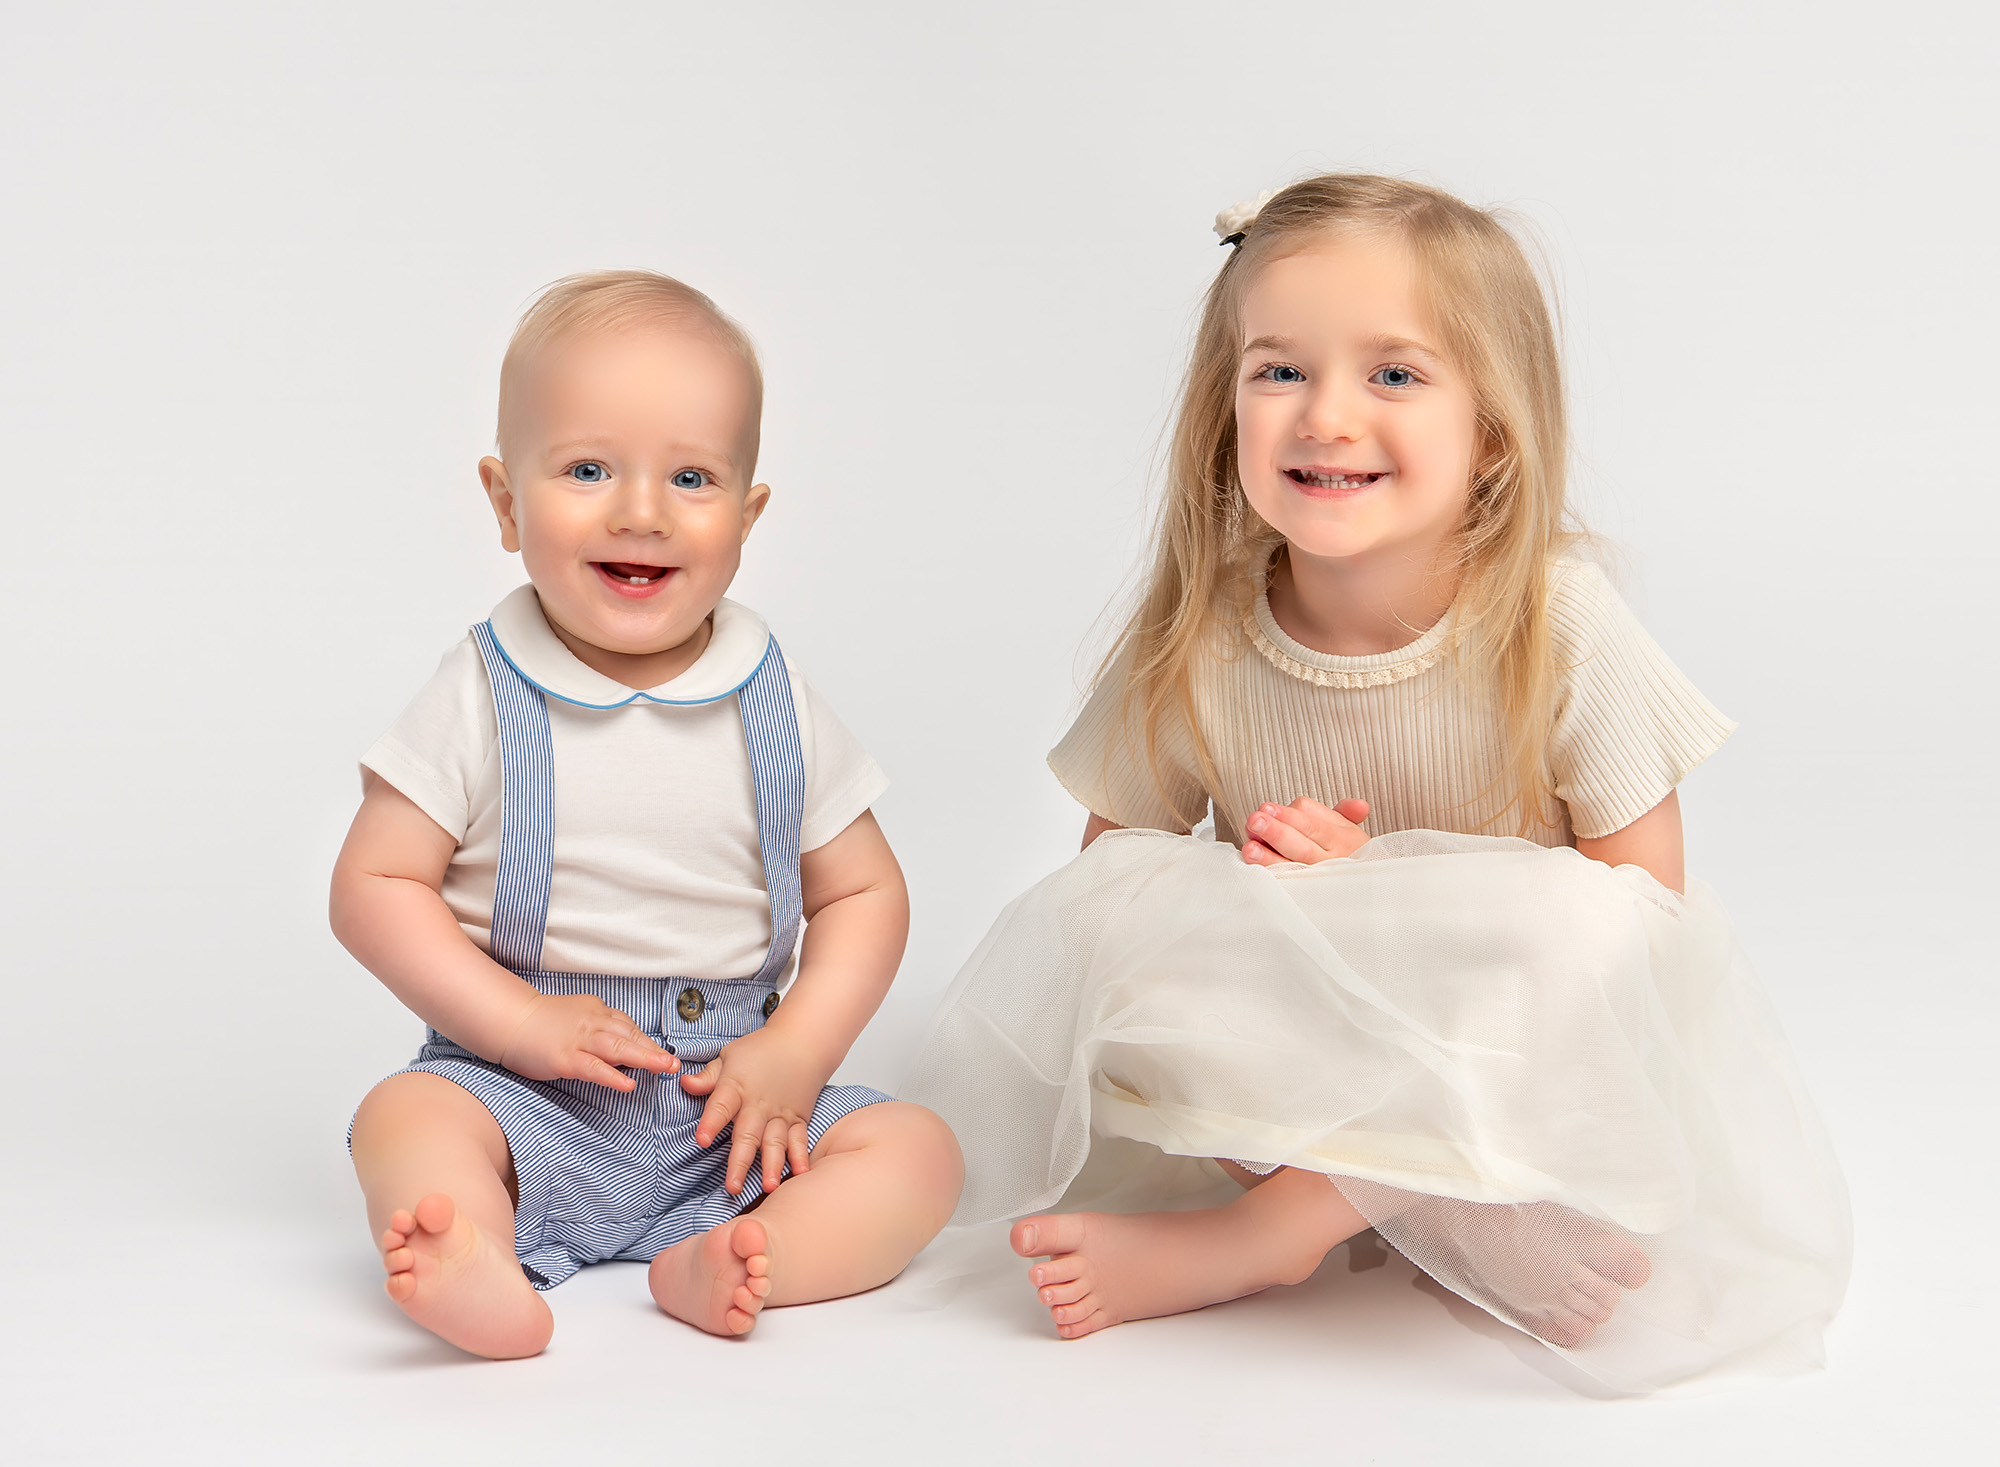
[
  {"x": 1213, "y": 553},
  {"x": 611, "y": 300}
]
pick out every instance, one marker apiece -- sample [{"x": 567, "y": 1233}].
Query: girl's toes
[
  {"x": 1063, "y": 1293},
  {"x": 1073, "y": 1313},
  {"x": 1066, "y": 1269}
]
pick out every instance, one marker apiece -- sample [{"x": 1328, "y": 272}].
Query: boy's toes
[
  {"x": 435, "y": 1213},
  {"x": 402, "y": 1286}
]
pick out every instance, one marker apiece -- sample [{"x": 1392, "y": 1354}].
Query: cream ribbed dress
[
  {"x": 1409, "y": 731},
  {"x": 1521, "y": 1065}
]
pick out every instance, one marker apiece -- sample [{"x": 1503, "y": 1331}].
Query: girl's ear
[
  {"x": 493, "y": 475},
  {"x": 753, "y": 507}
]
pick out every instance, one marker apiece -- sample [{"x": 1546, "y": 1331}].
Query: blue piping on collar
[{"x": 636, "y": 696}]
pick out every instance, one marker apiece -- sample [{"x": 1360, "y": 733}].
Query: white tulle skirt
[{"x": 1512, "y": 1061}]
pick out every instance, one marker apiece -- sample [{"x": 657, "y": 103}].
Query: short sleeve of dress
[
  {"x": 435, "y": 750},
  {"x": 1102, "y": 761},
  {"x": 1629, "y": 726},
  {"x": 842, "y": 780}
]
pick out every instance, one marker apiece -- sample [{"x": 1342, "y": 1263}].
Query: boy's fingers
[
  {"x": 720, "y": 1110},
  {"x": 743, "y": 1144},
  {"x": 636, "y": 1049},
  {"x": 595, "y": 1069},
  {"x": 799, "y": 1145},
  {"x": 700, "y": 1082},
  {"x": 775, "y": 1131}
]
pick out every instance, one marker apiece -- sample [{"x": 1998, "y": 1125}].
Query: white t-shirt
[{"x": 658, "y": 872}]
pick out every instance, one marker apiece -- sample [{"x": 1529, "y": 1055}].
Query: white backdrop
[{"x": 259, "y": 264}]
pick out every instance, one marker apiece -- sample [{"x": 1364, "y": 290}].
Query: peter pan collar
[{"x": 737, "y": 644}]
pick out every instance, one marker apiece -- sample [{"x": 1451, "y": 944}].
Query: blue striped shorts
[{"x": 605, "y": 1174}]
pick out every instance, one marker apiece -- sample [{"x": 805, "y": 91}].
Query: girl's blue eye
[
  {"x": 589, "y": 473},
  {"x": 689, "y": 479},
  {"x": 1285, "y": 376},
  {"x": 1396, "y": 377}
]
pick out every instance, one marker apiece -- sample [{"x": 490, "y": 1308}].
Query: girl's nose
[{"x": 1331, "y": 413}]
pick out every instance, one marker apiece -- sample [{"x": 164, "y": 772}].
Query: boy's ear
[
  {"x": 753, "y": 506},
  {"x": 493, "y": 475}
]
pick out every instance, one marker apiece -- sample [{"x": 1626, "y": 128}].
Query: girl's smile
[{"x": 1354, "y": 437}]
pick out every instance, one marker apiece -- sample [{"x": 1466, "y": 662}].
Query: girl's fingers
[
  {"x": 1355, "y": 811},
  {"x": 1258, "y": 854},
  {"x": 800, "y": 1147},
  {"x": 1278, "y": 828}
]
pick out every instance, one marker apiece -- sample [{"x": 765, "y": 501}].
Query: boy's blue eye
[
  {"x": 689, "y": 479},
  {"x": 589, "y": 473},
  {"x": 1396, "y": 377}
]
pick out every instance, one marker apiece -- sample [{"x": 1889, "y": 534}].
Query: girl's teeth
[{"x": 640, "y": 581}]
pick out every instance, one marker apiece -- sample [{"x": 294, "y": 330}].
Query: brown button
[
  {"x": 690, "y": 1005},
  {"x": 770, "y": 1005}
]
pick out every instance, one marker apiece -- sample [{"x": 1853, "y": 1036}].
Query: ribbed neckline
[{"x": 1327, "y": 670}]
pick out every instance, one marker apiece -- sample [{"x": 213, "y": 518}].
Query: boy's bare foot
[
  {"x": 717, "y": 1280},
  {"x": 458, "y": 1283},
  {"x": 1103, "y": 1268}
]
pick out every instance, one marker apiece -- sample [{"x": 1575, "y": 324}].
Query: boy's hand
[
  {"x": 1304, "y": 831},
  {"x": 580, "y": 1037},
  {"x": 768, "y": 1088}
]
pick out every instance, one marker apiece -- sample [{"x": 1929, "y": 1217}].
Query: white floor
[{"x": 172, "y": 1323}]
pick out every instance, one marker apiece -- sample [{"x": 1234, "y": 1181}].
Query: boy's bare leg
[
  {"x": 883, "y": 1180},
  {"x": 1101, "y": 1268},
  {"x": 436, "y": 1171}
]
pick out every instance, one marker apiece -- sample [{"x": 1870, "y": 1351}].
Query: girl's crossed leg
[{"x": 1100, "y": 1269}]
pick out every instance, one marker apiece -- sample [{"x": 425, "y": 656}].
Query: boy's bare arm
[
  {"x": 386, "y": 909},
  {"x": 857, "y": 919}
]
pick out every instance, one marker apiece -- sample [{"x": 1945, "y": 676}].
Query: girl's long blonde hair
[{"x": 1213, "y": 553}]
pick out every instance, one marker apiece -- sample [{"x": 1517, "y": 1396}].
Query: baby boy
[{"x": 584, "y": 855}]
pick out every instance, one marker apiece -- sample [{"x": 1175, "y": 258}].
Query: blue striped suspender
[
  {"x": 527, "y": 812},
  {"x": 527, "y": 805}
]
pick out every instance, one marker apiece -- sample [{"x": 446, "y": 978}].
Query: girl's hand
[
  {"x": 1304, "y": 831},
  {"x": 767, "y": 1086},
  {"x": 580, "y": 1037}
]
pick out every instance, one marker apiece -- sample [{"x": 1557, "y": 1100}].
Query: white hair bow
[{"x": 1237, "y": 218}]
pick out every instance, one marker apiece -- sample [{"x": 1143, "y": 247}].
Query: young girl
[{"x": 1440, "y": 973}]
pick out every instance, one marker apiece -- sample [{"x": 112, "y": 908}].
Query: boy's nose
[{"x": 643, "y": 508}]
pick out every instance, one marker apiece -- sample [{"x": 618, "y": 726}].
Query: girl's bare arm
[{"x": 1652, "y": 842}]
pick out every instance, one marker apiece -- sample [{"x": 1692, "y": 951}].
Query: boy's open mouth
[
  {"x": 631, "y": 573},
  {"x": 1331, "y": 478}
]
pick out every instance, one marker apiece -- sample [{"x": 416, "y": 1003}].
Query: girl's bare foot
[
  {"x": 717, "y": 1280},
  {"x": 1103, "y": 1268},
  {"x": 457, "y": 1282}
]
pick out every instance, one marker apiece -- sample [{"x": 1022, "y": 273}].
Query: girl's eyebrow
[
  {"x": 1373, "y": 346},
  {"x": 1392, "y": 346}
]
